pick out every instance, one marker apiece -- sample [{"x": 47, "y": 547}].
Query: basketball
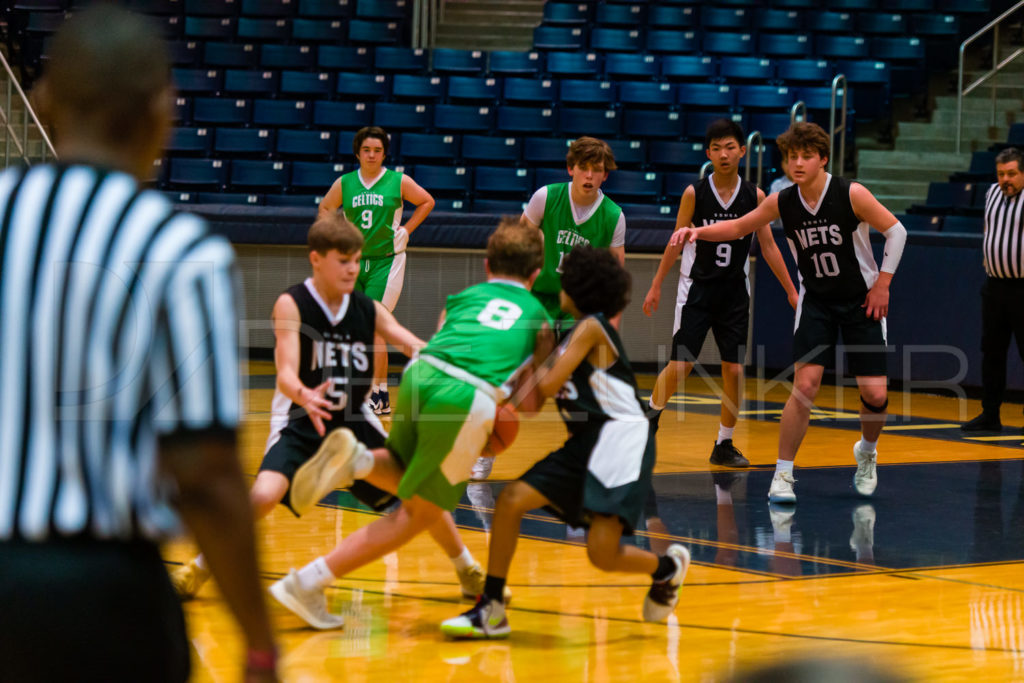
[{"x": 506, "y": 426}]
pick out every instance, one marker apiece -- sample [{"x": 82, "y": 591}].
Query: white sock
[
  {"x": 315, "y": 576},
  {"x": 868, "y": 446},
  {"x": 724, "y": 433},
  {"x": 784, "y": 466},
  {"x": 383, "y": 387},
  {"x": 650, "y": 402},
  {"x": 722, "y": 497},
  {"x": 364, "y": 464},
  {"x": 463, "y": 560},
  {"x": 201, "y": 562}
]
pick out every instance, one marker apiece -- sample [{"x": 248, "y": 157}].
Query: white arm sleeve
[
  {"x": 895, "y": 238},
  {"x": 534, "y": 211},
  {"x": 619, "y": 236}
]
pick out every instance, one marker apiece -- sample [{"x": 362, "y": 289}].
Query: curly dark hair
[{"x": 595, "y": 281}]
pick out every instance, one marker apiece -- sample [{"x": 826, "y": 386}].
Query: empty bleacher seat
[
  {"x": 306, "y": 84},
  {"x": 653, "y": 123},
  {"x": 864, "y": 71},
  {"x": 220, "y": 111},
  {"x": 647, "y": 94},
  {"x": 306, "y": 30},
  {"x": 450, "y": 61},
  {"x": 841, "y": 46},
  {"x": 628, "y": 153},
  {"x": 673, "y": 155},
  {"x": 697, "y": 122},
  {"x": 600, "y": 123},
  {"x": 488, "y": 148},
  {"x": 875, "y": 23},
  {"x": 676, "y": 182},
  {"x": 526, "y": 120},
  {"x": 400, "y": 59},
  {"x": 250, "y": 82},
  {"x": 258, "y": 175},
  {"x": 687, "y": 67},
  {"x": 209, "y": 28},
  {"x": 614, "y": 14},
  {"x": 210, "y": 8},
  {"x": 635, "y": 185},
  {"x": 502, "y": 180},
  {"x": 349, "y": 115},
  {"x": 545, "y": 151},
  {"x": 569, "y": 64},
  {"x": 803, "y": 70},
  {"x": 771, "y": 124},
  {"x": 610, "y": 39},
  {"x": 784, "y": 44},
  {"x": 559, "y": 37},
  {"x": 429, "y": 147},
  {"x": 234, "y": 198},
  {"x": 196, "y": 80},
  {"x": 566, "y": 13},
  {"x": 540, "y": 90},
  {"x": 445, "y": 181},
  {"x": 963, "y": 224},
  {"x": 746, "y": 69},
  {"x": 463, "y": 117},
  {"x": 770, "y": 19},
  {"x": 184, "y": 53},
  {"x": 190, "y": 141},
  {"x": 630, "y": 66},
  {"x": 315, "y": 174},
  {"x": 344, "y": 57},
  {"x": 729, "y": 18},
  {"x": 897, "y": 48},
  {"x": 765, "y": 96},
  {"x": 672, "y": 41},
  {"x": 664, "y": 15},
  {"x": 511, "y": 207},
  {"x": 307, "y": 200},
  {"x": 480, "y": 89},
  {"x": 281, "y": 113},
  {"x": 197, "y": 173},
  {"x": 706, "y": 95},
  {"x": 573, "y": 92},
  {"x": 373, "y": 32},
  {"x": 326, "y": 8},
  {"x": 287, "y": 56},
  {"x": 830, "y": 22},
  {"x": 362, "y": 86},
  {"x": 927, "y": 24},
  {"x": 727, "y": 43},
  {"x": 305, "y": 143},
  {"x": 914, "y": 222},
  {"x": 383, "y": 9},
  {"x": 267, "y": 8},
  {"x": 230, "y": 55},
  {"x": 417, "y": 87},
  {"x": 243, "y": 141},
  {"x": 549, "y": 176},
  {"x": 945, "y": 197},
  {"x": 515, "y": 63},
  {"x": 1016, "y": 135},
  {"x": 260, "y": 29},
  {"x": 402, "y": 116}
]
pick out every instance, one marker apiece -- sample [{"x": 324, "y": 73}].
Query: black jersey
[
  {"x": 831, "y": 245},
  {"x": 592, "y": 396},
  {"x": 337, "y": 348},
  {"x": 714, "y": 260}
]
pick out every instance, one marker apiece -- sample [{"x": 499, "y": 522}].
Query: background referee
[
  {"x": 119, "y": 380},
  {"x": 1002, "y": 296}
]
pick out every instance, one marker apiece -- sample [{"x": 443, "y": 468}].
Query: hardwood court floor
[{"x": 924, "y": 579}]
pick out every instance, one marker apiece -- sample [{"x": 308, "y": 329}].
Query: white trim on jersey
[
  {"x": 372, "y": 419},
  {"x": 534, "y": 210},
  {"x": 362, "y": 181},
  {"x": 718, "y": 197},
  {"x": 333, "y": 318},
  {"x": 821, "y": 199},
  {"x": 618, "y": 455},
  {"x": 799, "y": 308},
  {"x": 865, "y": 257},
  {"x": 457, "y": 466},
  {"x": 396, "y": 280},
  {"x": 279, "y": 408}
]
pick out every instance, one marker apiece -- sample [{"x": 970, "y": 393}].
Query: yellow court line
[
  {"x": 1017, "y": 437},
  {"x": 908, "y": 428}
]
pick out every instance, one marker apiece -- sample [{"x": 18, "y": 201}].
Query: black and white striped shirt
[
  {"x": 118, "y": 324},
  {"x": 1003, "y": 242}
]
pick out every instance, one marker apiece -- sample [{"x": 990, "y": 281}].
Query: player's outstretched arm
[
  {"x": 868, "y": 209},
  {"x": 585, "y": 336},
  {"x": 287, "y": 325},
  {"x": 332, "y": 200},
  {"x": 424, "y": 202},
  {"x": 395, "y": 333},
  {"x": 527, "y": 397},
  {"x": 684, "y": 217},
  {"x": 723, "y": 231},
  {"x": 773, "y": 257}
]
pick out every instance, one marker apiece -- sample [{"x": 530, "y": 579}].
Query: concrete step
[
  {"x": 483, "y": 16},
  {"x": 930, "y": 144},
  {"x": 500, "y": 41},
  {"x": 903, "y": 188},
  {"x": 912, "y": 159},
  {"x": 898, "y": 172},
  {"x": 948, "y": 117},
  {"x": 898, "y": 203},
  {"x": 970, "y": 129},
  {"x": 511, "y": 5},
  {"x": 975, "y": 102}
]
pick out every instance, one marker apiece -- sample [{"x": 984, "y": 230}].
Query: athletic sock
[
  {"x": 201, "y": 562},
  {"x": 868, "y": 446},
  {"x": 383, "y": 387},
  {"x": 666, "y": 568},
  {"x": 463, "y": 560},
  {"x": 494, "y": 588},
  {"x": 315, "y": 576},
  {"x": 784, "y": 466},
  {"x": 724, "y": 433}
]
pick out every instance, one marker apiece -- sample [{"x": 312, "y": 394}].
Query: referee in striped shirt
[
  {"x": 119, "y": 381},
  {"x": 1002, "y": 297}
]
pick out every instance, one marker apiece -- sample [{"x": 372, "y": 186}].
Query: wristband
[{"x": 261, "y": 660}]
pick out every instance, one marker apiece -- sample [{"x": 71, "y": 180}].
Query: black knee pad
[{"x": 875, "y": 409}]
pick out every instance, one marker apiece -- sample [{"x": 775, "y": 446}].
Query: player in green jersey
[
  {"x": 372, "y": 197},
  {"x": 491, "y": 334}
]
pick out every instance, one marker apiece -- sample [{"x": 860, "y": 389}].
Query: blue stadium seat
[
  {"x": 287, "y": 57},
  {"x": 220, "y": 111},
  {"x": 383, "y": 9},
  {"x": 697, "y": 122},
  {"x": 184, "y": 53},
  {"x": 346, "y": 138},
  {"x": 445, "y": 181},
  {"x": 648, "y": 210},
  {"x": 301, "y": 200},
  {"x": 243, "y": 141},
  {"x": 866, "y": 71},
  {"x": 269, "y": 30},
  {"x": 935, "y": 24},
  {"x": 673, "y": 155},
  {"x": 416, "y": 87},
  {"x": 209, "y": 28},
  {"x": 196, "y": 80},
  {"x": 179, "y": 196},
  {"x": 489, "y": 148},
  {"x": 819, "y": 98},
  {"x": 796, "y": 4},
  {"x": 1016, "y": 135},
  {"x": 973, "y": 225},
  {"x": 210, "y": 8},
  {"x": 769, "y": 19},
  {"x": 727, "y": 43},
  {"x": 515, "y": 63},
  {"x": 784, "y": 44},
  {"x": 706, "y": 95},
  {"x": 281, "y": 113},
  {"x": 348, "y": 115},
  {"x": 729, "y": 18},
  {"x": 463, "y": 117},
  {"x": 559, "y": 37},
  {"x": 530, "y": 90},
  {"x": 446, "y": 204},
  {"x": 765, "y": 96},
  {"x": 400, "y": 116},
  {"x": 172, "y": 27},
  {"x": 233, "y": 198},
  {"x": 306, "y": 84},
  {"x": 613, "y": 14},
  {"x": 803, "y": 70},
  {"x": 653, "y": 123},
  {"x": 526, "y": 120},
  {"x": 676, "y": 182},
  {"x": 196, "y": 173},
  {"x": 479, "y": 89},
  {"x": 228, "y": 55},
  {"x": 155, "y": 7},
  {"x": 250, "y": 82},
  {"x": 429, "y": 147},
  {"x": 545, "y": 152},
  {"x": 944, "y": 198},
  {"x": 599, "y": 123},
  {"x": 899, "y": 48},
  {"x": 631, "y": 66},
  {"x": 671, "y": 41},
  {"x": 258, "y": 175},
  {"x": 636, "y": 185},
  {"x": 981, "y": 169},
  {"x": 190, "y": 141},
  {"x": 344, "y": 58},
  {"x": 647, "y": 94},
  {"x": 981, "y": 189},
  {"x": 687, "y": 67},
  {"x": 573, "y": 92},
  {"x": 671, "y": 16},
  {"x": 909, "y": 5},
  {"x": 914, "y": 222},
  {"x": 373, "y": 32},
  {"x": 569, "y": 64},
  {"x": 608, "y": 39},
  {"x": 841, "y": 46},
  {"x": 746, "y": 69},
  {"x": 566, "y": 13},
  {"x": 449, "y": 61},
  {"x": 503, "y": 181},
  {"x": 848, "y": 5},
  {"x": 305, "y": 143},
  {"x": 882, "y": 24},
  {"x": 550, "y": 176},
  {"x": 401, "y": 59},
  {"x": 315, "y": 174},
  {"x": 326, "y": 8},
  {"x": 498, "y": 207},
  {"x": 267, "y": 8},
  {"x": 362, "y": 86},
  {"x": 318, "y": 30},
  {"x": 181, "y": 111},
  {"x": 628, "y": 153},
  {"x": 770, "y": 124},
  {"x": 830, "y": 22}
]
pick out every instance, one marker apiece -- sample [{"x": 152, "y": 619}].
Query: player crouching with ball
[{"x": 601, "y": 476}]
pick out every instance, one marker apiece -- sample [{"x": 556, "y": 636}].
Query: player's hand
[
  {"x": 877, "y": 302},
  {"x": 652, "y": 299},
  {"x": 794, "y": 299},
  {"x": 401, "y": 240},
  {"x": 316, "y": 405},
  {"x": 682, "y": 237}
]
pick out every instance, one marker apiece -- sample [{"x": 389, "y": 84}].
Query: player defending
[
  {"x": 324, "y": 331},
  {"x": 714, "y": 288},
  {"x": 444, "y": 414},
  {"x": 601, "y": 476},
  {"x": 372, "y": 198},
  {"x": 826, "y": 221}
]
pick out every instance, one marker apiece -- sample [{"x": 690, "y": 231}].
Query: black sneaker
[
  {"x": 726, "y": 455},
  {"x": 725, "y": 480},
  {"x": 986, "y": 422}
]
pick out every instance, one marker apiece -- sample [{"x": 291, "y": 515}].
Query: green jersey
[
  {"x": 562, "y": 233},
  {"x": 376, "y": 210},
  {"x": 489, "y": 330}
]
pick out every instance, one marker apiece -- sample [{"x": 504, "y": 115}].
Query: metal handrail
[
  {"x": 13, "y": 85},
  {"x": 798, "y": 112},
  {"x": 425, "y": 15},
  {"x": 840, "y": 78},
  {"x": 704, "y": 169},
  {"x": 755, "y": 135},
  {"x": 997, "y": 66}
]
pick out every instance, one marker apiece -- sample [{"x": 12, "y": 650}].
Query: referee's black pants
[{"x": 1002, "y": 316}]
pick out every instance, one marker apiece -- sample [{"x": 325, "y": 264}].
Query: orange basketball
[{"x": 506, "y": 426}]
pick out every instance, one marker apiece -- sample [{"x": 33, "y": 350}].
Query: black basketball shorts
[
  {"x": 819, "y": 325},
  {"x": 722, "y": 306}
]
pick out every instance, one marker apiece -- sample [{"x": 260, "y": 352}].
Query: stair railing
[
  {"x": 28, "y": 119},
  {"x": 425, "y": 15},
  {"x": 798, "y": 112},
  {"x": 752, "y": 139},
  {"x": 704, "y": 169},
  {"x": 839, "y": 88}
]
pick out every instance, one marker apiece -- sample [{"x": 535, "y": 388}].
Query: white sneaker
[
  {"x": 781, "y": 516},
  {"x": 865, "y": 479},
  {"x": 333, "y": 466},
  {"x": 862, "y": 540},
  {"x": 310, "y": 606},
  {"x": 471, "y": 581},
  {"x": 781, "y": 490},
  {"x": 482, "y": 469},
  {"x": 663, "y": 596},
  {"x": 486, "y": 620}
]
